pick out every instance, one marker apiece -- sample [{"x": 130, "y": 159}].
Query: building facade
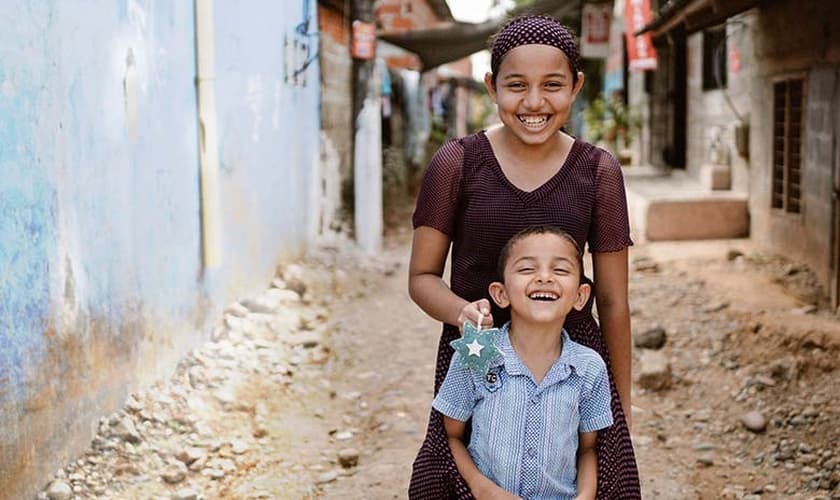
[{"x": 746, "y": 97}]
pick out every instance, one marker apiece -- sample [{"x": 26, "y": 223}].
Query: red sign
[
  {"x": 640, "y": 52},
  {"x": 595, "y": 30},
  {"x": 364, "y": 40}
]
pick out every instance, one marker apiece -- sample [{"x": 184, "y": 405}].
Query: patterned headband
[{"x": 530, "y": 30}]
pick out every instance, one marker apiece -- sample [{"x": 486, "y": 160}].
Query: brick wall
[{"x": 401, "y": 15}]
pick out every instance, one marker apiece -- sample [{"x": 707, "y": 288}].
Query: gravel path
[{"x": 320, "y": 387}]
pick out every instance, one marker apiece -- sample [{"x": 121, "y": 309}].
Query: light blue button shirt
[{"x": 525, "y": 435}]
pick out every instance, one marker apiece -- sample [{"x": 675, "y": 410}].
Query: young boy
[{"x": 536, "y": 412}]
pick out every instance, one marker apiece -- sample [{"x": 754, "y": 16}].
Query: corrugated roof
[
  {"x": 458, "y": 40},
  {"x": 695, "y": 15}
]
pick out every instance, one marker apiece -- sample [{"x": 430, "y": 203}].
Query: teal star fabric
[{"x": 477, "y": 348}]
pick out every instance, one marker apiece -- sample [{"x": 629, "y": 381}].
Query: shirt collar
[{"x": 560, "y": 370}]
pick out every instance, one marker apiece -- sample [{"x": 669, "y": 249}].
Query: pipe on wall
[{"x": 208, "y": 134}]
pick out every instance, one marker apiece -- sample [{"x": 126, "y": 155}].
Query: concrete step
[{"x": 674, "y": 206}]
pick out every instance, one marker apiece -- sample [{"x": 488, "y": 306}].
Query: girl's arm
[
  {"x": 427, "y": 288},
  {"x": 587, "y": 466},
  {"x": 481, "y": 487},
  {"x": 610, "y": 276}
]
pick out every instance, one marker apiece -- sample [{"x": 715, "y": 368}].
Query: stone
[
  {"x": 645, "y": 264},
  {"x": 754, "y": 421},
  {"x": 343, "y": 435},
  {"x": 260, "y": 304},
  {"x": 653, "y": 338},
  {"x": 733, "y": 254},
  {"x": 190, "y": 454},
  {"x": 59, "y": 490},
  {"x": 238, "y": 446},
  {"x": 714, "y": 307},
  {"x": 213, "y": 473},
  {"x": 237, "y": 309},
  {"x": 175, "y": 472},
  {"x": 348, "y": 457},
  {"x": 655, "y": 371},
  {"x": 185, "y": 494},
  {"x": 294, "y": 276},
  {"x": 327, "y": 477},
  {"x": 125, "y": 429}
]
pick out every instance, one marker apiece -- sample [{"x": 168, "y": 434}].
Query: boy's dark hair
[{"x": 504, "y": 255}]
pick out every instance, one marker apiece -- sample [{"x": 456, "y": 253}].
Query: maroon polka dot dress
[{"x": 466, "y": 196}]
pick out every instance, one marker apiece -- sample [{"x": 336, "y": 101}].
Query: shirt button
[
  {"x": 534, "y": 400},
  {"x": 532, "y": 452}
]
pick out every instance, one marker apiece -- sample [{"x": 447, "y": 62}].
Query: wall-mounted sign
[
  {"x": 640, "y": 52},
  {"x": 595, "y": 30},
  {"x": 363, "y": 45}
]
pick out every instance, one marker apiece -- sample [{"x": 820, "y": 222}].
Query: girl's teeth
[{"x": 533, "y": 121}]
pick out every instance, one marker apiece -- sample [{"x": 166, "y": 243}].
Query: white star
[{"x": 475, "y": 348}]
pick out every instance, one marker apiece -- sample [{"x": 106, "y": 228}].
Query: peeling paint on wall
[{"x": 101, "y": 279}]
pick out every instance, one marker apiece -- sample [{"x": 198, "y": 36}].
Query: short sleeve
[
  {"x": 610, "y": 227},
  {"x": 440, "y": 190},
  {"x": 456, "y": 398},
  {"x": 595, "y": 409}
]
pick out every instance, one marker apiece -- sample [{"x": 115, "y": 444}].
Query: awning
[
  {"x": 695, "y": 15},
  {"x": 458, "y": 40}
]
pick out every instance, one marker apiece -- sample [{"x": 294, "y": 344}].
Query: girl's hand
[{"x": 472, "y": 311}]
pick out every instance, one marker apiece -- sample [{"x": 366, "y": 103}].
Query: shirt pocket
[{"x": 563, "y": 409}]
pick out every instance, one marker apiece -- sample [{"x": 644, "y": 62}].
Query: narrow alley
[
  {"x": 205, "y": 221},
  {"x": 320, "y": 387}
]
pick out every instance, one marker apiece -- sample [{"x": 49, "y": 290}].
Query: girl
[{"x": 480, "y": 190}]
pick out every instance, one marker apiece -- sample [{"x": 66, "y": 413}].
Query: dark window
[
  {"x": 714, "y": 58},
  {"x": 788, "y": 100}
]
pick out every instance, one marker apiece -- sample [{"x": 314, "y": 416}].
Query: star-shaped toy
[{"x": 477, "y": 347}]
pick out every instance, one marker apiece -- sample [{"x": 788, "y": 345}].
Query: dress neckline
[{"x": 542, "y": 189}]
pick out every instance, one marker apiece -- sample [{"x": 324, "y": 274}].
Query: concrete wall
[
  {"x": 102, "y": 286},
  {"x": 713, "y": 115},
  {"x": 337, "y": 98},
  {"x": 812, "y": 50}
]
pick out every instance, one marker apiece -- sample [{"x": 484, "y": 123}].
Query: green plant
[{"x": 610, "y": 121}]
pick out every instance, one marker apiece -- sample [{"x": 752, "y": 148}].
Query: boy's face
[{"x": 541, "y": 280}]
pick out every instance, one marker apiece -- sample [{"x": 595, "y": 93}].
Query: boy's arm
[
  {"x": 587, "y": 465},
  {"x": 481, "y": 487}
]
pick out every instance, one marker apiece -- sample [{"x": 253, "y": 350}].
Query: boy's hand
[{"x": 472, "y": 311}]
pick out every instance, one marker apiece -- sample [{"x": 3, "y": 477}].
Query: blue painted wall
[
  {"x": 101, "y": 281},
  {"x": 268, "y": 128}
]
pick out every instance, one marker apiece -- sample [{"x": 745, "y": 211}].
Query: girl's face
[{"x": 534, "y": 91}]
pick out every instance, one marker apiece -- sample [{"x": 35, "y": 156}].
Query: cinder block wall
[{"x": 811, "y": 50}]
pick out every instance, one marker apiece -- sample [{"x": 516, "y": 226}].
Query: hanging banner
[
  {"x": 641, "y": 55},
  {"x": 364, "y": 40},
  {"x": 595, "y": 30}
]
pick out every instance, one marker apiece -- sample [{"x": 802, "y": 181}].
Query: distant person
[
  {"x": 480, "y": 190},
  {"x": 537, "y": 410}
]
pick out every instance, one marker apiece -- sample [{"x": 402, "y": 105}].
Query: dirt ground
[{"x": 744, "y": 333}]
